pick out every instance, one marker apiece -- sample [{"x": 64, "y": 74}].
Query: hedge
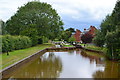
[{"x": 10, "y": 43}]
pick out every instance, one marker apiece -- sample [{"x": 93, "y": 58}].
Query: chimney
[{"x": 84, "y": 29}]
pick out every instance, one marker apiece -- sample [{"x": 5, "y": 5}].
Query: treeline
[
  {"x": 36, "y": 20},
  {"x": 109, "y": 33}
]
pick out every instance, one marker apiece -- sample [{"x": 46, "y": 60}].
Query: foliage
[
  {"x": 99, "y": 39},
  {"x": 10, "y": 43},
  {"x": 109, "y": 33},
  {"x": 41, "y": 20},
  {"x": 44, "y": 39},
  {"x": 65, "y": 35},
  {"x": 70, "y": 29},
  {"x": 32, "y": 33},
  {"x": 72, "y": 39},
  {"x": 86, "y": 38},
  {"x": 2, "y": 28},
  {"x": 113, "y": 44}
]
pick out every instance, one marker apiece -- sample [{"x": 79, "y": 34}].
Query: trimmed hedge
[{"x": 10, "y": 43}]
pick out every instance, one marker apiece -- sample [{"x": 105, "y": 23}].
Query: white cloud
[
  {"x": 97, "y": 9},
  {"x": 77, "y": 10}
]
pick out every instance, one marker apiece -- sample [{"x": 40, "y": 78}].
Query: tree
[
  {"x": 65, "y": 35},
  {"x": 38, "y": 16},
  {"x": 86, "y": 38},
  {"x": 2, "y": 28},
  {"x": 32, "y": 33},
  {"x": 113, "y": 44},
  {"x": 72, "y": 39},
  {"x": 109, "y": 33},
  {"x": 70, "y": 29},
  {"x": 99, "y": 39}
]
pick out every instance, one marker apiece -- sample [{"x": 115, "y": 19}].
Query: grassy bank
[
  {"x": 92, "y": 47},
  {"x": 20, "y": 54},
  {"x": 68, "y": 46}
]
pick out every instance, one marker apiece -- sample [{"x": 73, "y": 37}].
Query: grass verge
[
  {"x": 68, "y": 46},
  {"x": 102, "y": 49},
  {"x": 20, "y": 54}
]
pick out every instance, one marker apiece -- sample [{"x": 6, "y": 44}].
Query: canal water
[{"x": 71, "y": 64}]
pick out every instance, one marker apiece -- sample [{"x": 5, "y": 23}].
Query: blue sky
[{"x": 78, "y": 14}]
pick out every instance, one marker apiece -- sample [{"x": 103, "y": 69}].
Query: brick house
[
  {"x": 92, "y": 30},
  {"x": 78, "y": 33}
]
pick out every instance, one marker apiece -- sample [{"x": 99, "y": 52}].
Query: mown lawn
[
  {"x": 20, "y": 54},
  {"x": 92, "y": 47},
  {"x": 68, "y": 46}
]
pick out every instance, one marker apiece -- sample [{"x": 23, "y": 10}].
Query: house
[
  {"x": 92, "y": 30},
  {"x": 77, "y": 35}
]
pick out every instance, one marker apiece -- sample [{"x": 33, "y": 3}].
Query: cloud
[{"x": 72, "y": 12}]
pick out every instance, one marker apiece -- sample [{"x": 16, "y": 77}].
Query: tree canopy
[
  {"x": 2, "y": 28},
  {"x": 35, "y": 18},
  {"x": 70, "y": 29},
  {"x": 65, "y": 35},
  {"x": 109, "y": 33}
]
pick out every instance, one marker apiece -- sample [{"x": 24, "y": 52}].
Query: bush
[
  {"x": 44, "y": 39},
  {"x": 7, "y": 43},
  {"x": 10, "y": 43},
  {"x": 40, "y": 41},
  {"x": 32, "y": 34},
  {"x": 34, "y": 40},
  {"x": 72, "y": 39}
]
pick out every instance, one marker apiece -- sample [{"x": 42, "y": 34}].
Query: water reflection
[
  {"x": 111, "y": 71},
  {"x": 72, "y": 64},
  {"x": 99, "y": 60},
  {"x": 47, "y": 66},
  {"x": 78, "y": 65}
]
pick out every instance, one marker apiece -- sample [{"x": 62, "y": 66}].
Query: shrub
[
  {"x": 7, "y": 43},
  {"x": 72, "y": 39},
  {"x": 44, "y": 39},
  {"x": 10, "y": 43}
]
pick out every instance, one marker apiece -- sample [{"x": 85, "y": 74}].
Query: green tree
[
  {"x": 109, "y": 33},
  {"x": 99, "y": 39},
  {"x": 40, "y": 16},
  {"x": 32, "y": 33},
  {"x": 2, "y": 28},
  {"x": 113, "y": 44},
  {"x": 70, "y": 29},
  {"x": 72, "y": 39},
  {"x": 65, "y": 35}
]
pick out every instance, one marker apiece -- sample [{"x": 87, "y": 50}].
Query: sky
[{"x": 78, "y": 14}]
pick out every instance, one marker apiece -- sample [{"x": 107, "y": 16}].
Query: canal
[{"x": 71, "y": 64}]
